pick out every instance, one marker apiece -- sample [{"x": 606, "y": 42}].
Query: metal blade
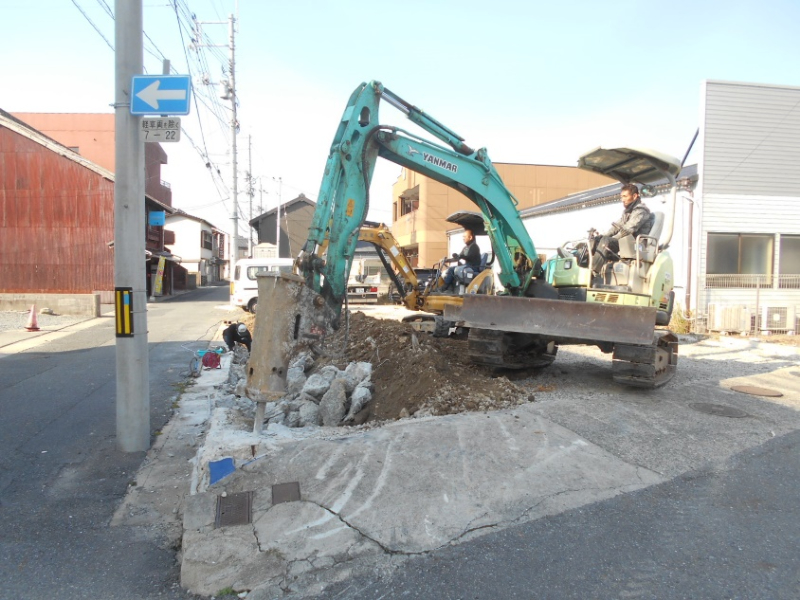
[{"x": 557, "y": 318}]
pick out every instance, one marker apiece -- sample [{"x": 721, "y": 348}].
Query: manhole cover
[
  {"x": 719, "y": 410},
  {"x": 756, "y": 391},
  {"x": 285, "y": 492},
  {"x": 236, "y": 509}
]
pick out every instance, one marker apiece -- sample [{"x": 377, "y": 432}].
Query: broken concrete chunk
[
  {"x": 241, "y": 387},
  {"x": 303, "y": 397},
  {"x": 349, "y": 383},
  {"x": 332, "y": 407},
  {"x": 330, "y": 372},
  {"x": 236, "y": 373},
  {"x": 361, "y": 396},
  {"x": 295, "y": 379},
  {"x": 275, "y": 409},
  {"x": 304, "y": 360},
  {"x": 316, "y": 385},
  {"x": 293, "y": 419},
  {"x": 309, "y": 414},
  {"x": 359, "y": 371}
]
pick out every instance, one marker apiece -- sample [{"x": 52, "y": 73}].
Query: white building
[{"x": 201, "y": 247}]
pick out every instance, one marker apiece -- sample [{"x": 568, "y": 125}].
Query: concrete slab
[{"x": 406, "y": 488}]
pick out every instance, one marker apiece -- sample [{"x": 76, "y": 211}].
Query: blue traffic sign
[{"x": 160, "y": 94}]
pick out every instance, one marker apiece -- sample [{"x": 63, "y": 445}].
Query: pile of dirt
[{"x": 415, "y": 373}]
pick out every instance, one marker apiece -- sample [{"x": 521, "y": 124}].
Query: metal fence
[
  {"x": 783, "y": 282},
  {"x": 751, "y": 304}
]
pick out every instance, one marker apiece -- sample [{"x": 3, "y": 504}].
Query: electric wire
[{"x": 96, "y": 28}]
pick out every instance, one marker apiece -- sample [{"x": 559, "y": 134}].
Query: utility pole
[
  {"x": 278, "y": 218},
  {"x": 133, "y": 370},
  {"x": 230, "y": 94},
  {"x": 250, "y": 192},
  {"x": 234, "y": 126}
]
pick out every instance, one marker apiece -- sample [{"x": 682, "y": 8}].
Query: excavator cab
[
  {"x": 469, "y": 280},
  {"x": 641, "y": 272}
]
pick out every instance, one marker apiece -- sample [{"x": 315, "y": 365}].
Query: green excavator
[{"x": 535, "y": 308}]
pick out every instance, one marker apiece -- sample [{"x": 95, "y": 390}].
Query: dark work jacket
[
  {"x": 471, "y": 255},
  {"x": 635, "y": 221},
  {"x": 231, "y": 335}
]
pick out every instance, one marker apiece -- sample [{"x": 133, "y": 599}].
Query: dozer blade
[{"x": 557, "y": 319}]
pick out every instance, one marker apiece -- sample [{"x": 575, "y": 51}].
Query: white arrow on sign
[{"x": 151, "y": 94}]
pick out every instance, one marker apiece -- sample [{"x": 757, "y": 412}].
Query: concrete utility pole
[
  {"x": 133, "y": 370},
  {"x": 234, "y": 126},
  {"x": 278, "y": 218},
  {"x": 250, "y": 191},
  {"x": 230, "y": 94}
]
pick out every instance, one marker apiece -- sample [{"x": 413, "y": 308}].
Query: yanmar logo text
[{"x": 440, "y": 162}]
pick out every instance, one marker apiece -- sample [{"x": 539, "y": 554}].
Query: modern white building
[{"x": 201, "y": 247}]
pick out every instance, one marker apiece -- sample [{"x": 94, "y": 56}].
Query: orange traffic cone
[{"x": 33, "y": 321}]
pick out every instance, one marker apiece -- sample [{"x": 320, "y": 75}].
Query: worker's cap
[{"x": 242, "y": 328}]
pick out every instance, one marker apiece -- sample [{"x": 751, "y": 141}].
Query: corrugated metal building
[{"x": 57, "y": 217}]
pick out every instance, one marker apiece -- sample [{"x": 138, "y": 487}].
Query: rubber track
[
  {"x": 493, "y": 349},
  {"x": 646, "y": 366}
]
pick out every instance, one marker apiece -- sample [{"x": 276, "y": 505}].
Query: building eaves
[
  {"x": 182, "y": 213},
  {"x": 606, "y": 194},
  {"x": 301, "y": 198}
]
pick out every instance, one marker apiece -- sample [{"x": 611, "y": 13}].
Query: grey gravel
[{"x": 18, "y": 319}]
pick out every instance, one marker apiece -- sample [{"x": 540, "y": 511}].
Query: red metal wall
[{"x": 56, "y": 219}]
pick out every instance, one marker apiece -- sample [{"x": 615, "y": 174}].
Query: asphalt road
[
  {"x": 61, "y": 474},
  {"x": 733, "y": 533}
]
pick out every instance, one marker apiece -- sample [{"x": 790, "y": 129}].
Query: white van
[{"x": 244, "y": 285}]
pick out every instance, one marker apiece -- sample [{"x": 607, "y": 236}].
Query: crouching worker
[{"x": 237, "y": 332}]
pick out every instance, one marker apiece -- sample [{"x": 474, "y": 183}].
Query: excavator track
[
  {"x": 646, "y": 366},
  {"x": 503, "y": 350}
]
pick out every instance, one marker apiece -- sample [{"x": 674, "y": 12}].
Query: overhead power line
[{"x": 96, "y": 28}]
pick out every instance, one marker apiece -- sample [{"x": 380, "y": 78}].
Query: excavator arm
[{"x": 343, "y": 200}]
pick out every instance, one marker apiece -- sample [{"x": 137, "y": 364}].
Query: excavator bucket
[
  {"x": 557, "y": 319},
  {"x": 291, "y": 318}
]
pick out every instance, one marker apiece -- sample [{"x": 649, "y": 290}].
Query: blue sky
[{"x": 533, "y": 82}]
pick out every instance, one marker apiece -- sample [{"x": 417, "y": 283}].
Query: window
[
  {"x": 790, "y": 255},
  {"x": 205, "y": 240},
  {"x": 252, "y": 272},
  {"x": 739, "y": 259},
  {"x": 790, "y": 262},
  {"x": 409, "y": 201}
]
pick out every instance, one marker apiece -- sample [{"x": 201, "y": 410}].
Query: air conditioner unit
[
  {"x": 777, "y": 319},
  {"x": 728, "y": 318}
]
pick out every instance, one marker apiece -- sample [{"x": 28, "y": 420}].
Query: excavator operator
[
  {"x": 635, "y": 220},
  {"x": 470, "y": 257}
]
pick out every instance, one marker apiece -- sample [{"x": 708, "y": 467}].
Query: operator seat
[
  {"x": 647, "y": 241},
  {"x": 464, "y": 274}
]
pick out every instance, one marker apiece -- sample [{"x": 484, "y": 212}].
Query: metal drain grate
[
  {"x": 756, "y": 391},
  {"x": 718, "y": 410},
  {"x": 236, "y": 509},
  {"x": 285, "y": 492}
]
